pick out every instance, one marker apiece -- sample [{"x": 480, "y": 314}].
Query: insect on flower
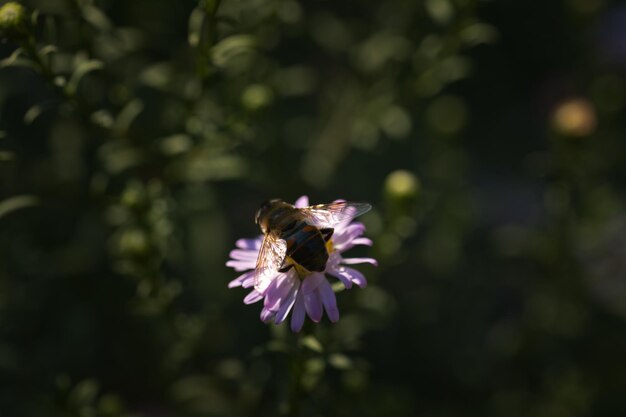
[{"x": 287, "y": 264}]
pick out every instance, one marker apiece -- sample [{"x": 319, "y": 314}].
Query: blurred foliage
[{"x": 138, "y": 137}]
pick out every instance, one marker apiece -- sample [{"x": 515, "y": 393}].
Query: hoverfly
[{"x": 297, "y": 237}]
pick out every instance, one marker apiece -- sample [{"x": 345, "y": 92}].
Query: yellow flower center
[{"x": 329, "y": 246}]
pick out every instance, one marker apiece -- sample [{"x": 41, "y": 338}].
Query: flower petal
[
  {"x": 357, "y": 277},
  {"x": 352, "y": 261},
  {"x": 245, "y": 280},
  {"x": 278, "y": 290},
  {"x": 329, "y": 301},
  {"x": 302, "y": 201},
  {"x": 342, "y": 239},
  {"x": 239, "y": 266},
  {"x": 362, "y": 241},
  {"x": 244, "y": 255},
  {"x": 311, "y": 282},
  {"x": 253, "y": 297},
  {"x": 250, "y": 244},
  {"x": 273, "y": 294},
  {"x": 267, "y": 315},
  {"x": 347, "y": 282},
  {"x": 333, "y": 267},
  {"x": 286, "y": 305},
  {"x": 297, "y": 317},
  {"x": 350, "y": 275},
  {"x": 313, "y": 306}
]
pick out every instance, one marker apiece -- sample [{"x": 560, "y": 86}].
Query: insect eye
[{"x": 262, "y": 210}]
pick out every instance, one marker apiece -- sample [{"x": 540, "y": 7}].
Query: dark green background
[{"x": 134, "y": 155}]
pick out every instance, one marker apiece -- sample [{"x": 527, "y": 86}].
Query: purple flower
[{"x": 310, "y": 295}]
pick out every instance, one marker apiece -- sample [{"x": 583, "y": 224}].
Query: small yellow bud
[
  {"x": 402, "y": 184},
  {"x": 13, "y": 20},
  {"x": 575, "y": 117}
]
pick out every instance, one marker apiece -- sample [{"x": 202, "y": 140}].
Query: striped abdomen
[{"x": 306, "y": 245}]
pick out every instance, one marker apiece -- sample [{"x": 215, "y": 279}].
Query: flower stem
[
  {"x": 30, "y": 47},
  {"x": 295, "y": 393},
  {"x": 203, "y": 57}
]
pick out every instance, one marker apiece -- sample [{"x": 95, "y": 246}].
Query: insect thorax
[{"x": 281, "y": 217}]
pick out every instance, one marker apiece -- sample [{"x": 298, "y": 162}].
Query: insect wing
[
  {"x": 271, "y": 256},
  {"x": 334, "y": 214}
]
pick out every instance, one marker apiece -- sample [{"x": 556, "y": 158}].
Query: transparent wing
[
  {"x": 333, "y": 214},
  {"x": 271, "y": 256}
]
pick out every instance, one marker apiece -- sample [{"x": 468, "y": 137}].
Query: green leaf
[
  {"x": 210, "y": 6},
  {"x": 48, "y": 50},
  {"x": 312, "y": 343},
  {"x": 102, "y": 118},
  {"x": 203, "y": 165},
  {"x": 96, "y": 17},
  {"x": 158, "y": 75},
  {"x": 16, "y": 59},
  {"x": 126, "y": 116},
  {"x": 277, "y": 346},
  {"x": 12, "y": 204},
  {"x": 6, "y": 156},
  {"x": 479, "y": 33},
  {"x": 84, "y": 393},
  {"x": 441, "y": 11},
  {"x": 229, "y": 48},
  {"x": 196, "y": 21},
  {"x": 37, "y": 110},
  {"x": 33, "y": 113},
  {"x": 338, "y": 286},
  {"x": 175, "y": 144},
  {"x": 81, "y": 70},
  {"x": 34, "y": 17},
  {"x": 340, "y": 361}
]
